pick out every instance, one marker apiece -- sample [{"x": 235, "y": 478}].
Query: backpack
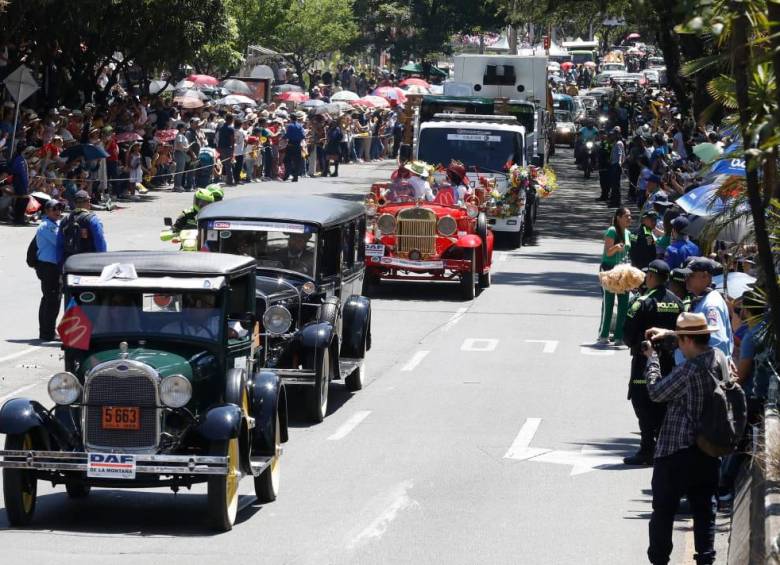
[
  {"x": 32, "y": 252},
  {"x": 72, "y": 228},
  {"x": 724, "y": 414}
]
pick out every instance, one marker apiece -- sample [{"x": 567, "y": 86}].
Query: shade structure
[
  {"x": 233, "y": 99},
  {"x": 235, "y": 86},
  {"x": 341, "y": 105},
  {"x": 417, "y": 69},
  {"x": 704, "y": 201},
  {"x": 308, "y": 104},
  {"x": 87, "y": 150},
  {"x": 566, "y": 65},
  {"x": 736, "y": 230},
  {"x": 203, "y": 80},
  {"x": 633, "y": 36},
  {"x": 188, "y": 102},
  {"x": 414, "y": 81},
  {"x": 191, "y": 93},
  {"x": 345, "y": 95},
  {"x": 736, "y": 283},
  {"x": 414, "y": 89},
  {"x": 390, "y": 93},
  {"x": 707, "y": 152},
  {"x": 734, "y": 167},
  {"x": 184, "y": 84},
  {"x": 294, "y": 97}
]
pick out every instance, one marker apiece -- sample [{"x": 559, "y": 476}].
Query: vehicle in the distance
[
  {"x": 161, "y": 387},
  {"x": 565, "y": 129},
  {"x": 316, "y": 325}
]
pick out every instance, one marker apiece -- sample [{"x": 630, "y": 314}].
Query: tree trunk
[
  {"x": 773, "y": 11},
  {"x": 740, "y": 65}
]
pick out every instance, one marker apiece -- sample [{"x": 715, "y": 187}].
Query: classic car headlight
[
  {"x": 386, "y": 224},
  {"x": 472, "y": 211},
  {"x": 447, "y": 225},
  {"x": 277, "y": 320},
  {"x": 64, "y": 388},
  {"x": 175, "y": 391},
  {"x": 308, "y": 288}
]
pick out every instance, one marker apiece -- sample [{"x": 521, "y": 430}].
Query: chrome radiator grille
[
  {"x": 121, "y": 383},
  {"x": 416, "y": 229}
]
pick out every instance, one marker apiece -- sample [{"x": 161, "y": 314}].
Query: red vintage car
[{"x": 412, "y": 239}]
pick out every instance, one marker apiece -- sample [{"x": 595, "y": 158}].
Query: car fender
[
  {"x": 469, "y": 241},
  {"x": 356, "y": 326},
  {"x": 315, "y": 338},
  {"x": 269, "y": 398},
  {"x": 20, "y": 415},
  {"x": 221, "y": 423}
]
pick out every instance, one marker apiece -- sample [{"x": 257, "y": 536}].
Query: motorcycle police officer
[
  {"x": 188, "y": 219},
  {"x": 657, "y": 308}
]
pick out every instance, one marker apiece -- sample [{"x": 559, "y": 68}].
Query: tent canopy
[{"x": 416, "y": 69}]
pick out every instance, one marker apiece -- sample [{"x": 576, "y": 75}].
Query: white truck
[
  {"x": 484, "y": 144},
  {"x": 519, "y": 78}
]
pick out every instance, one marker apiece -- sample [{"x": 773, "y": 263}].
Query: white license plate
[
  {"x": 110, "y": 466},
  {"x": 375, "y": 250}
]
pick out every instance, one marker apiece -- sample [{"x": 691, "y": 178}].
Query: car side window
[
  {"x": 360, "y": 247},
  {"x": 330, "y": 263},
  {"x": 348, "y": 247}
]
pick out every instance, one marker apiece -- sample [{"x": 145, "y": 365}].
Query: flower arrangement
[
  {"x": 546, "y": 181},
  {"x": 508, "y": 204}
]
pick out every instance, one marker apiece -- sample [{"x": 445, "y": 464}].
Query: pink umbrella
[
  {"x": 165, "y": 135},
  {"x": 363, "y": 102},
  {"x": 566, "y": 65},
  {"x": 203, "y": 80},
  {"x": 415, "y": 82},
  {"x": 294, "y": 97},
  {"x": 126, "y": 136},
  {"x": 188, "y": 102},
  {"x": 377, "y": 101},
  {"x": 633, "y": 36},
  {"x": 390, "y": 93}
]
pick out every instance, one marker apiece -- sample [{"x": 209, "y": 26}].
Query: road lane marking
[
  {"x": 479, "y": 344},
  {"x": 19, "y": 354},
  {"x": 397, "y": 501},
  {"x": 349, "y": 425},
  {"x": 454, "y": 319},
  {"x": 550, "y": 345},
  {"x": 17, "y": 391},
  {"x": 596, "y": 352},
  {"x": 520, "y": 450},
  {"x": 415, "y": 360}
]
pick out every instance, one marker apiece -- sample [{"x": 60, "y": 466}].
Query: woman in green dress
[{"x": 616, "y": 249}]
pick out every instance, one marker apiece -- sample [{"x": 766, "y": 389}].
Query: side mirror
[{"x": 168, "y": 222}]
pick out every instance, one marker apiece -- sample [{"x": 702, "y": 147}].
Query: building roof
[
  {"x": 166, "y": 263},
  {"x": 318, "y": 210}
]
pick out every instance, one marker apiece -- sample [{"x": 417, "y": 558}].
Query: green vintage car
[{"x": 161, "y": 386}]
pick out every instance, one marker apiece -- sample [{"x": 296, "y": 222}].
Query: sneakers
[
  {"x": 640, "y": 458},
  {"x": 619, "y": 343}
]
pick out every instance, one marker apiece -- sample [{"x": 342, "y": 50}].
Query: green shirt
[{"x": 620, "y": 256}]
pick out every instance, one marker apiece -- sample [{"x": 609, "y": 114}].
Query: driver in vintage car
[
  {"x": 198, "y": 319},
  {"x": 296, "y": 257},
  {"x": 419, "y": 180},
  {"x": 458, "y": 182}
]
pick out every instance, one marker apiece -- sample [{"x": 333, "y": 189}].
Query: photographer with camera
[
  {"x": 680, "y": 467},
  {"x": 658, "y": 308}
]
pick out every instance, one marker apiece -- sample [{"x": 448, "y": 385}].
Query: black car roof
[
  {"x": 162, "y": 263},
  {"x": 318, "y": 210}
]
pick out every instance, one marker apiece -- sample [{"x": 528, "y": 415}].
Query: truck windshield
[
  {"x": 485, "y": 149},
  {"x": 173, "y": 313},
  {"x": 579, "y": 57},
  {"x": 525, "y": 114}
]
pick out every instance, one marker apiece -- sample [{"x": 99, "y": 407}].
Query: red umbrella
[
  {"x": 165, "y": 135},
  {"x": 566, "y": 65},
  {"x": 294, "y": 97},
  {"x": 390, "y": 93},
  {"x": 363, "y": 102},
  {"x": 203, "y": 80},
  {"x": 377, "y": 101},
  {"x": 127, "y": 136},
  {"x": 415, "y": 82}
]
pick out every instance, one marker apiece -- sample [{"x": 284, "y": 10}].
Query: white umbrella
[
  {"x": 235, "y": 86},
  {"x": 157, "y": 86},
  {"x": 344, "y": 95},
  {"x": 312, "y": 103},
  {"x": 233, "y": 99}
]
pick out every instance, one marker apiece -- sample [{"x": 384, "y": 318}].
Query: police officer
[
  {"x": 677, "y": 286},
  {"x": 604, "y": 154},
  {"x": 188, "y": 219},
  {"x": 643, "y": 242},
  {"x": 658, "y": 307}
]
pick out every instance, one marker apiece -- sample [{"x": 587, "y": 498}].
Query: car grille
[
  {"x": 416, "y": 229},
  {"x": 121, "y": 383}
]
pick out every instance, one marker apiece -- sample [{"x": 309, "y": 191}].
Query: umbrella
[
  {"x": 417, "y": 69},
  {"x": 390, "y": 93},
  {"x": 232, "y": 99},
  {"x": 414, "y": 89},
  {"x": 235, "y": 86},
  {"x": 736, "y": 230},
  {"x": 738, "y": 283},
  {"x": 415, "y": 82},
  {"x": 707, "y": 152},
  {"x": 188, "y": 102},
  {"x": 589, "y": 64},
  {"x": 288, "y": 88},
  {"x": 157, "y": 86},
  {"x": 365, "y": 103},
  {"x": 705, "y": 202},
  {"x": 294, "y": 97},
  {"x": 190, "y": 93},
  {"x": 184, "y": 84},
  {"x": 633, "y": 36},
  {"x": 341, "y": 105},
  {"x": 734, "y": 167},
  {"x": 203, "y": 80},
  {"x": 566, "y": 65},
  {"x": 87, "y": 150},
  {"x": 345, "y": 95},
  {"x": 308, "y": 104},
  {"x": 377, "y": 101},
  {"x": 126, "y": 136},
  {"x": 165, "y": 135}
]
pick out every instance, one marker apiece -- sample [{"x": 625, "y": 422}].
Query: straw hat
[
  {"x": 689, "y": 323},
  {"x": 419, "y": 168}
]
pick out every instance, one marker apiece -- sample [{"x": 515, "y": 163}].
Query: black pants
[
  {"x": 292, "y": 162},
  {"x": 225, "y": 155},
  {"x": 604, "y": 183},
  {"x": 238, "y": 166},
  {"x": 20, "y": 209},
  {"x": 649, "y": 414},
  {"x": 615, "y": 172},
  {"x": 693, "y": 474},
  {"x": 633, "y": 178},
  {"x": 51, "y": 295}
]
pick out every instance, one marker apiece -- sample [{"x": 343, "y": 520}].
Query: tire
[
  {"x": 77, "y": 490},
  {"x": 516, "y": 239},
  {"x": 482, "y": 231},
  {"x": 354, "y": 382},
  {"x": 20, "y": 487},
  {"x": 484, "y": 280},
  {"x": 223, "y": 489},
  {"x": 267, "y": 483},
  {"x": 467, "y": 287},
  {"x": 371, "y": 283},
  {"x": 318, "y": 395}
]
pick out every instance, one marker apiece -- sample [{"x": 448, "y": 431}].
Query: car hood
[
  {"x": 165, "y": 362},
  {"x": 279, "y": 285}
]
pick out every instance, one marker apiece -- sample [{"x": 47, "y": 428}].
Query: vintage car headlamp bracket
[
  {"x": 175, "y": 391},
  {"x": 277, "y": 320},
  {"x": 64, "y": 388}
]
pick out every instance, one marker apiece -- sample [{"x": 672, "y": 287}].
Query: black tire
[
  {"x": 20, "y": 487},
  {"x": 223, "y": 489},
  {"x": 371, "y": 283},
  {"x": 318, "y": 395},
  {"x": 77, "y": 490},
  {"x": 482, "y": 232},
  {"x": 267, "y": 482},
  {"x": 484, "y": 280},
  {"x": 467, "y": 287},
  {"x": 354, "y": 382},
  {"x": 515, "y": 239}
]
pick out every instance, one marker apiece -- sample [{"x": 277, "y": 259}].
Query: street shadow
[
  {"x": 297, "y": 415},
  {"x": 351, "y": 196},
  {"x": 552, "y": 282},
  {"x": 36, "y": 341}
]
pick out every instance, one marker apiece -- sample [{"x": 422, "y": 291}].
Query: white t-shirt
[
  {"x": 679, "y": 145},
  {"x": 240, "y": 137},
  {"x": 422, "y": 189}
]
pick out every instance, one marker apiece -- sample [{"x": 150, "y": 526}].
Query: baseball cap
[
  {"x": 703, "y": 265},
  {"x": 81, "y": 195},
  {"x": 659, "y": 267},
  {"x": 680, "y": 224},
  {"x": 53, "y": 203},
  {"x": 679, "y": 274},
  {"x": 649, "y": 214}
]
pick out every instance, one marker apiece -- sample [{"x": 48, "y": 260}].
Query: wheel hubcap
[{"x": 231, "y": 480}]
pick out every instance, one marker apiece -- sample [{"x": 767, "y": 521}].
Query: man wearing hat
[
  {"x": 680, "y": 247},
  {"x": 679, "y": 466},
  {"x": 643, "y": 240},
  {"x": 48, "y": 270},
  {"x": 657, "y": 308},
  {"x": 81, "y": 231},
  {"x": 419, "y": 180}
]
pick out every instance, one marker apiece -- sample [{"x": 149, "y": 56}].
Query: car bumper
[
  {"x": 389, "y": 267},
  {"x": 510, "y": 224}
]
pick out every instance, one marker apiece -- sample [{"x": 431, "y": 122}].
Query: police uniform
[
  {"x": 187, "y": 220},
  {"x": 643, "y": 245},
  {"x": 657, "y": 308},
  {"x": 604, "y": 154},
  {"x": 678, "y": 275}
]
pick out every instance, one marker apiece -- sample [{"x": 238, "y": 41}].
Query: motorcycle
[
  {"x": 588, "y": 158},
  {"x": 187, "y": 239}
]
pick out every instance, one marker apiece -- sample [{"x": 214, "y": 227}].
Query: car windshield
[
  {"x": 563, "y": 116},
  {"x": 142, "y": 313},
  {"x": 293, "y": 250},
  {"x": 487, "y": 150}
]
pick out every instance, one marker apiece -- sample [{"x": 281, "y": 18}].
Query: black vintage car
[
  {"x": 310, "y": 263},
  {"x": 161, "y": 386}
]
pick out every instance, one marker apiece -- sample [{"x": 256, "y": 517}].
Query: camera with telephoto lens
[{"x": 666, "y": 344}]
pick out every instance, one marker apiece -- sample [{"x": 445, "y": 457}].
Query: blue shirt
[
  {"x": 21, "y": 175},
  {"x": 758, "y": 381},
  {"x": 678, "y": 251},
  {"x": 715, "y": 310},
  {"x": 46, "y": 240},
  {"x": 95, "y": 230},
  {"x": 588, "y": 134},
  {"x": 294, "y": 133}
]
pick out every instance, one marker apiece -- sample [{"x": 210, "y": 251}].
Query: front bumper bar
[{"x": 145, "y": 464}]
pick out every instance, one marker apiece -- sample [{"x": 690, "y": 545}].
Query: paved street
[{"x": 489, "y": 432}]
